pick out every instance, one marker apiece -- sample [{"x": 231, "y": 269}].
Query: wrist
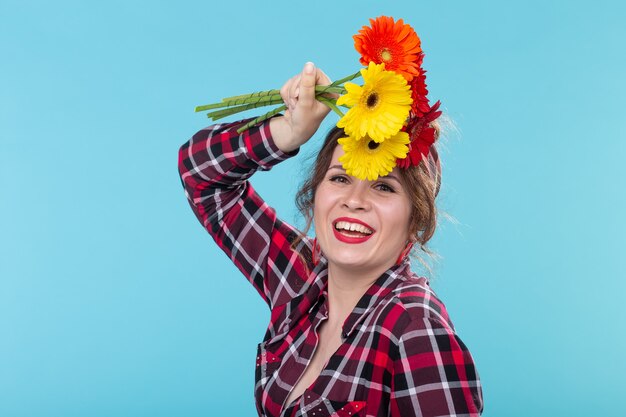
[{"x": 281, "y": 134}]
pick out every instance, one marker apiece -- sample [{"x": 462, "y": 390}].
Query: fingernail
[{"x": 308, "y": 68}]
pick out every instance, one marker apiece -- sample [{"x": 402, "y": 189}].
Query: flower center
[
  {"x": 372, "y": 145},
  {"x": 372, "y": 100},
  {"x": 385, "y": 55}
]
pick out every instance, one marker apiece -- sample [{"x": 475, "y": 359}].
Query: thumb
[{"x": 307, "y": 85}]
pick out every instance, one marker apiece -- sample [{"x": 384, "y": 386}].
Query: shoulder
[
  {"x": 420, "y": 301},
  {"x": 412, "y": 301},
  {"x": 431, "y": 366}
]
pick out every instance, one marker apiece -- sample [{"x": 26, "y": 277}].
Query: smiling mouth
[{"x": 352, "y": 229}]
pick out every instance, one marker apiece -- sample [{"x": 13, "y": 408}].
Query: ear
[{"x": 405, "y": 252}]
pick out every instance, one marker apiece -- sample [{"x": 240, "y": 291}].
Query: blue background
[{"x": 115, "y": 302}]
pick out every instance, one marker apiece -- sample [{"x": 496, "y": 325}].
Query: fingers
[
  {"x": 283, "y": 93},
  {"x": 300, "y": 89},
  {"x": 304, "y": 112},
  {"x": 286, "y": 92},
  {"x": 321, "y": 78},
  {"x": 294, "y": 90},
  {"x": 307, "y": 85}
]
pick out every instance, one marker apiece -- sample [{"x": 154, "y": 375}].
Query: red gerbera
[
  {"x": 422, "y": 137},
  {"x": 419, "y": 92},
  {"x": 393, "y": 43}
]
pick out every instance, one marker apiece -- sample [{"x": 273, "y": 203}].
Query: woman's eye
[
  {"x": 384, "y": 187},
  {"x": 338, "y": 178}
]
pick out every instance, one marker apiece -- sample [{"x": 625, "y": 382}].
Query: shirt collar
[{"x": 372, "y": 297}]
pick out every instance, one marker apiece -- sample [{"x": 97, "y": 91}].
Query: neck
[{"x": 346, "y": 286}]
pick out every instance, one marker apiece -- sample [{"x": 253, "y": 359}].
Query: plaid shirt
[{"x": 400, "y": 355}]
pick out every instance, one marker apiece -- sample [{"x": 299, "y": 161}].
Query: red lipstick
[{"x": 351, "y": 239}]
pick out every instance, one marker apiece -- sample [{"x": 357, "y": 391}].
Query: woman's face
[{"x": 361, "y": 224}]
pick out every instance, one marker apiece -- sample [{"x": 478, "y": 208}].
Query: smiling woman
[{"x": 353, "y": 331}]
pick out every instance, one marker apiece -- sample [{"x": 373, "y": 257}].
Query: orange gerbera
[{"x": 393, "y": 43}]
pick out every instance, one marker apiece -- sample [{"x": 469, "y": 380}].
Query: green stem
[
  {"x": 235, "y": 104},
  {"x": 270, "y": 96},
  {"x": 348, "y": 78},
  {"x": 332, "y": 104},
  {"x": 257, "y": 94},
  {"x": 209, "y": 107},
  {"x": 220, "y": 114},
  {"x": 322, "y": 89},
  {"x": 261, "y": 118},
  {"x": 238, "y": 102}
]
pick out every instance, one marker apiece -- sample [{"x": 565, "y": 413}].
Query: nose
[{"x": 356, "y": 197}]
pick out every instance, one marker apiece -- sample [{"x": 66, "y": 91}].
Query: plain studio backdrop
[{"x": 115, "y": 302}]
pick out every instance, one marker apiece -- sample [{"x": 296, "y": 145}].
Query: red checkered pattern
[{"x": 400, "y": 354}]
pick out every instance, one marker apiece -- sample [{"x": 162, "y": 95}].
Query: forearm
[
  {"x": 214, "y": 167},
  {"x": 281, "y": 134},
  {"x": 216, "y": 162}
]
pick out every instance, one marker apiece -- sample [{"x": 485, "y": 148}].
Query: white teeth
[{"x": 353, "y": 227}]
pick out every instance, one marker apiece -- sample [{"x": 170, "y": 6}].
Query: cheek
[
  {"x": 323, "y": 198},
  {"x": 409, "y": 228},
  {"x": 402, "y": 216},
  {"x": 317, "y": 204},
  {"x": 320, "y": 204}
]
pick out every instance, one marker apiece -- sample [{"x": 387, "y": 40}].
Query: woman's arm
[
  {"x": 434, "y": 373},
  {"x": 214, "y": 167}
]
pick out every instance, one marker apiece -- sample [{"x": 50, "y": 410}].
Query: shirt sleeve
[
  {"x": 214, "y": 167},
  {"x": 433, "y": 373}
]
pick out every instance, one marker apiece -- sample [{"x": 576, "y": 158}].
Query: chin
[{"x": 350, "y": 259}]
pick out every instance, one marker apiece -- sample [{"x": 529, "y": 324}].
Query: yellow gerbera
[
  {"x": 379, "y": 108},
  {"x": 368, "y": 159}
]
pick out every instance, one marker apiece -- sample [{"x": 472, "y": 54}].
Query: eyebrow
[
  {"x": 389, "y": 176},
  {"x": 335, "y": 166}
]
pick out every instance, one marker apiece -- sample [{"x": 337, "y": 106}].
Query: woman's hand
[{"x": 304, "y": 113}]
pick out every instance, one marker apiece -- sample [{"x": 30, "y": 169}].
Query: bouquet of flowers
[{"x": 388, "y": 118}]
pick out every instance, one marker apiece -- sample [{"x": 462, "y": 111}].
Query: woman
[{"x": 353, "y": 332}]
